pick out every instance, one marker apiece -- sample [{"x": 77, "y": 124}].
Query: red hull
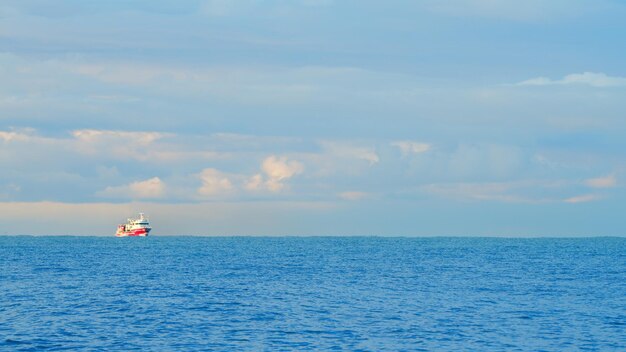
[{"x": 133, "y": 233}]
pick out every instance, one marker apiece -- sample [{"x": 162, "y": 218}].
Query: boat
[{"x": 139, "y": 227}]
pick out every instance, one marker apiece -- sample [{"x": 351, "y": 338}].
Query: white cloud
[
  {"x": 518, "y": 191},
  {"x": 410, "y": 147},
  {"x": 582, "y": 199},
  {"x": 148, "y": 189},
  {"x": 537, "y": 81},
  {"x": 353, "y": 195},
  {"x": 8, "y": 137},
  {"x": 278, "y": 170},
  {"x": 110, "y": 72},
  {"x": 370, "y": 156},
  {"x": 214, "y": 182},
  {"x": 345, "y": 150},
  {"x": 95, "y": 84},
  {"x": 498, "y": 191},
  {"x": 181, "y": 155},
  {"x": 118, "y": 144},
  {"x": 528, "y": 10},
  {"x": 254, "y": 183},
  {"x": 274, "y": 185},
  {"x": 522, "y": 191},
  {"x": 602, "y": 182},
  {"x": 93, "y": 136},
  {"x": 287, "y": 86},
  {"x": 142, "y": 146},
  {"x": 586, "y": 78}
]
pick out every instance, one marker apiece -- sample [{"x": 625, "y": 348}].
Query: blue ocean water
[{"x": 316, "y": 293}]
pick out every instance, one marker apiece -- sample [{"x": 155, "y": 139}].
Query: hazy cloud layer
[
  {"x": 602, "y": 182},
  {"x": 152, "y": 188},
  {"x": 585, "y": 78},
  {"x": 583, "y": 198},
  {"x": 368, "y": 117},
  {"x": 530, "y": 10},
  {"x": 410, "y": 147}
]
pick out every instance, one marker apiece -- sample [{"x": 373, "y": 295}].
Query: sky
[{"x": 314, "y": 117}]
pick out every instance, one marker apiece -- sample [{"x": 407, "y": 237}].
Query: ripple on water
[{"x": 312, "y": 293}]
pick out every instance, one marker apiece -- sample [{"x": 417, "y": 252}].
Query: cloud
[
  {"x": 94, "y": 136},
  {"x": 528, "y": 10},
  {"x": 130, "y": 74},
  {"x": 279, "y": 169},
  {"x": 254, "y": 183},
  {"x": 214, "y": 182},
  {"x": 181, "y": 155},
  {"x": 518, "y": 191},
  {"x": 602, "y": 182},
  {"x": 353, "y": 195},
  {"x": 152, "y": 188},
  {"x": 410, "y": 147},
  {"x": 8, "y": 137},
  {"x": 522, "y": 191},
  {"x": 275, "y": 172},
  {"x": 496, "y": 191},
  {"x": 586, "y": 78},
  {"x": 104, "y": 163},
  {"x": 582, "y": 199},
  {"x": 285, "y": 86},
  {"x": 119, "y": 144},
  {"x": 225, "y": 8},
  {"x": 346, "y": 150},
  {"x": 148, "y": 146}
]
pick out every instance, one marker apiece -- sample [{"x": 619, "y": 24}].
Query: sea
[{"x": 312, "y": 293}]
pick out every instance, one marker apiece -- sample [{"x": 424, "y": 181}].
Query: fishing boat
[{"x": 139, "y": 227}]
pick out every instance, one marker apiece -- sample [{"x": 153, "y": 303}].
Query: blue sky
[{"x": 303, "y": 117}]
